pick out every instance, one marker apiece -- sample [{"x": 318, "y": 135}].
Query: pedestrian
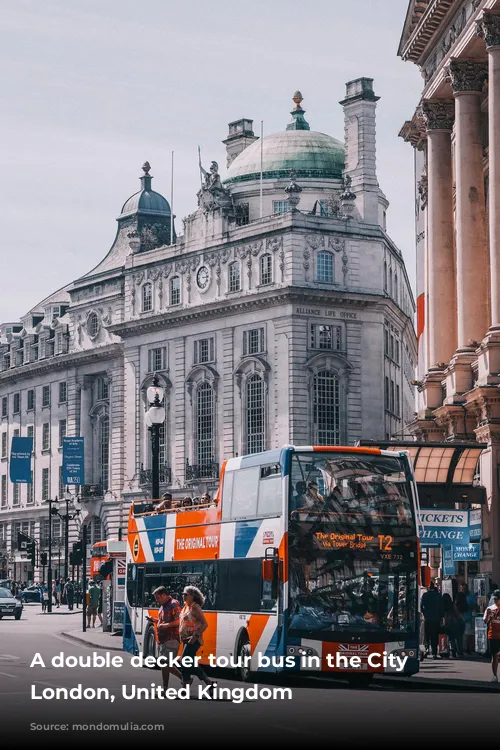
[
  {"x": 93, "y": 595},
  {"x": 54, "y": 592},
  {"x": 44, "y": 597},
  {"x": 493, "y": 588},
  {"x": 167, "y": 631},
  {"x": 69, "y": 593},
  {"x": 431, "y": 606},
  {"x": 99, "y": 606},
  {"x": 452, "y": 625},
  {"x": 492, "y": 620},
  {"x": 192, "y": 624},
  {"x": 59, "y": 589}
]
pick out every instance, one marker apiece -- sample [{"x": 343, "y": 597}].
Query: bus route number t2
[{"x": 385, "y": 542}]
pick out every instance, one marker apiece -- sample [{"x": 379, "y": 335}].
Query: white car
[{"x": 9, "y": 605}]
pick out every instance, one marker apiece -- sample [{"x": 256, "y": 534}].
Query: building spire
[
  {"x": 146, "y": 179},
  {"x": 298, "y": 120}
]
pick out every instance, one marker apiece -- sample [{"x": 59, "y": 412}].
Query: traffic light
[
  {"x": 76, "y": 557},
  {"x": 31, "y": 551},
  {"x": 43, "y": 558}
]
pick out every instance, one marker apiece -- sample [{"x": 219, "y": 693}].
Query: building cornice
[
  {"x": 429, "y": 23},
  {"x": 260, "y": 301},
  {"x": 61, "y": 362}
]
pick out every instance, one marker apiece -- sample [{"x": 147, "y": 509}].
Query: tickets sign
[{"x": 444, "y": 527}]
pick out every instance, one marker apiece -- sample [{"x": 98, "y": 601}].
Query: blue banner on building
[
  {"x": 444, "y": 527},
  {"x": 466, "y": 552},
  {"x": 475, "y": 525},
  {"x": 73, "y": 461},
  {"x": 448, "y": 563},
  {"x": 20, "y": 460}
]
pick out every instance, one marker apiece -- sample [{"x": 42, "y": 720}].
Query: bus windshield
[{"x": 352, "y": 546}]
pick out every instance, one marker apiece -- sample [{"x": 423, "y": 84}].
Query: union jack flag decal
[{"x": 359, "y": 648}]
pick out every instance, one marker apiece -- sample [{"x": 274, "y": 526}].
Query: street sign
[
  {"x": 73, "y": 461},
  {"x": 475, "y": 525},
  {"x": 466, "y": 552},
  {"x": 444, "y": 527},
  {"x": 448, "y": 562},
  {"x": 20, "y": 460}
]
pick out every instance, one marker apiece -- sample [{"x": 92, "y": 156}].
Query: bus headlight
[{"x": 301, "y": 651}]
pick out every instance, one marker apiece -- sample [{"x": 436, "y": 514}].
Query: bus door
[{"x": 137, "y": 623}]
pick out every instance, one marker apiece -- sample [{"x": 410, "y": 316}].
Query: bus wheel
[
  {"x": 360, "y": 681},
  {"x": 243, "y": 671},
  {"x": 151, "y": 645}
]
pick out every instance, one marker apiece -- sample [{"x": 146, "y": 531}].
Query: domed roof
[
  {"x": 146, "y": 201},
  {"x": 309, "y": 153}
]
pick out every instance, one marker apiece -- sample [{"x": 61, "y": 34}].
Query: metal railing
[
  {"x": 146, "y": 475},
  {"x": 208, "y": 470}
]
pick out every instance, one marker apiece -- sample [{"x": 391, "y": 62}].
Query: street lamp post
[
  {"x": 66, "y": 518},
  {"x": 155, "y": 417}
]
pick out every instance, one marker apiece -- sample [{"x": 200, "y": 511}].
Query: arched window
[
  {"x": 103, "y": 452},
  {"x": 147, "y": 297},
  {"x": 96, "y": 531},
  {"x": 266, "y": 269},
  {"x": 204, "y": 424},
  {"x": 175, "y": 290},
  {"x": 254, "y": 415},
  {"x": 326, "y": 408},
  {"x": 234, "y": 276},
  {"x": 324, "y": 267}
]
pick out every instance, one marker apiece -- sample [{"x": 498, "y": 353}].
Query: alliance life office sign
[{"x": 444, "y": 527}]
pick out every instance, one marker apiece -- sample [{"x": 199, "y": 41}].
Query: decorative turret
[{"x": 298, "y": 120}]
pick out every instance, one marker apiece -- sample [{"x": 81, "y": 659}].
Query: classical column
[
  {"x": 438, "y": 115},
  {"x": 86, "y": 427},
  {"x": 489, "y": 28},
  {"x": 467, "y": 78}
]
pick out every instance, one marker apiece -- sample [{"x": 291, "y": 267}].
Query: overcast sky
[{"x": 91, "y": 89}]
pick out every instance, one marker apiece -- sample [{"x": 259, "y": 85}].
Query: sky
[{"x": 89, "y": 90}]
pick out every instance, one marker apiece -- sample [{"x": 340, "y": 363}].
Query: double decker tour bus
[{"x": 306, "y": 552}]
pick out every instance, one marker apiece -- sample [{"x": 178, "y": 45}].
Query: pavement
[{"x": 468, "y": 673}]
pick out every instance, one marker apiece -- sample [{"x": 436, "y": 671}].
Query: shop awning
[{"x": 446, "y": 473}]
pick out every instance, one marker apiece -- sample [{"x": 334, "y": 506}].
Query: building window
[
  {"x": 62, "y": 431},
  {"x": 61, "y": 345},
  {"x": 27, "y": 352},
  {"x": 15, "y": 494},
  {"x": 385, "y": 276},
  {"x": 397, "y": 408},
  {"x": 92, "y": 324},
  {"x": 254, "y": 422},
  {"x": 46, "y": 436},
  {"x": 45, "y": 484},
  {"x": 61, "y": 485},
  {"x": 102, "y": 389},
  {"x": 266, "y": 269},
  {"x": 157, "y": 359},
  {"x": 162, "y": 454},
  {"x": 326, "y": 408},
  {"x": 324, "y": 268},
  {"x": 103, "y": 452},
  {"x": 31, "y": 400},
  {"x": 204, "y": 351},
  {"x": 234, "y": 276},
  {"x": 396, "y": 287},
  {"x": 46, "y": 395},
  {"x": 4, "y": 490},
  {"x": 147, "y": 297},
  {"x": 204, "y": 424},
  {"x": 175, "y": 290},
  {"x": 30, "y": 498},
  {"x": 57, "y": 537},
  {"x": 326, "y": 337},
  {"x": 280, "y": 207},
  {"x": 253, "y": 341},
  {"x": 17, "y": 404},
  {"x": 5, "y": 406},
  {"x": 30, "y": 432},
  {"x": 4, "y": 445},
  {"x": 96, "y": 530},
  {"x": 63, "y": 392},
  {"x": 387, "y": 398}
]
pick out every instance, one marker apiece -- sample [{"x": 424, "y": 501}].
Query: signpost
[{"x": 73, "y": 466}]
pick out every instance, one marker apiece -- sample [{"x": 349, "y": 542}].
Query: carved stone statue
[{"x": 212, "y": 194}]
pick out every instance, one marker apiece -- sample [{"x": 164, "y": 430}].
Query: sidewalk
[{"x": 472, "y": 674}]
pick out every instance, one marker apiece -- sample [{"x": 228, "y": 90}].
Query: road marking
[
  {"x": 6, "y": 674},
  {"x": 50, "y": 684},
  {"x": 9, "y": 657}
]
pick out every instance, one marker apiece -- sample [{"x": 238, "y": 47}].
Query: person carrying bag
[{"x": 492, "y": 619}]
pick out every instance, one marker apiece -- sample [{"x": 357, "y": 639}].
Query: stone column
[
  {"x": 467, "y": 78},
  {"x": 438, "y": 115},
  {"x": 489, "y": 28},
  {"x": 86, "y": 427}
]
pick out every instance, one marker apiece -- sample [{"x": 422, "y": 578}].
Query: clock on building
[{"x": 203, "y": 277}]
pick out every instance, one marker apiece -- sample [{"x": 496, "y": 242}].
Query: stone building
[
  {"x": 455, "y": 132},
  {"x": 281, "y": 314}
]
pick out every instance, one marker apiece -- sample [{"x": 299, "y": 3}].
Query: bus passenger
[
  {"x": 192, "y": 624},
  {"x": 187, "y": 503},
  {"x": 165, "y": 504},
  {"x": 205, "y": 499}
]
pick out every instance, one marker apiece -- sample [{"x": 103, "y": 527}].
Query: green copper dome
[{"x": 312, "y": 155}]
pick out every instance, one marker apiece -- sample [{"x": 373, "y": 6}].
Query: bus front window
[{"x": 352, "y": 547}]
